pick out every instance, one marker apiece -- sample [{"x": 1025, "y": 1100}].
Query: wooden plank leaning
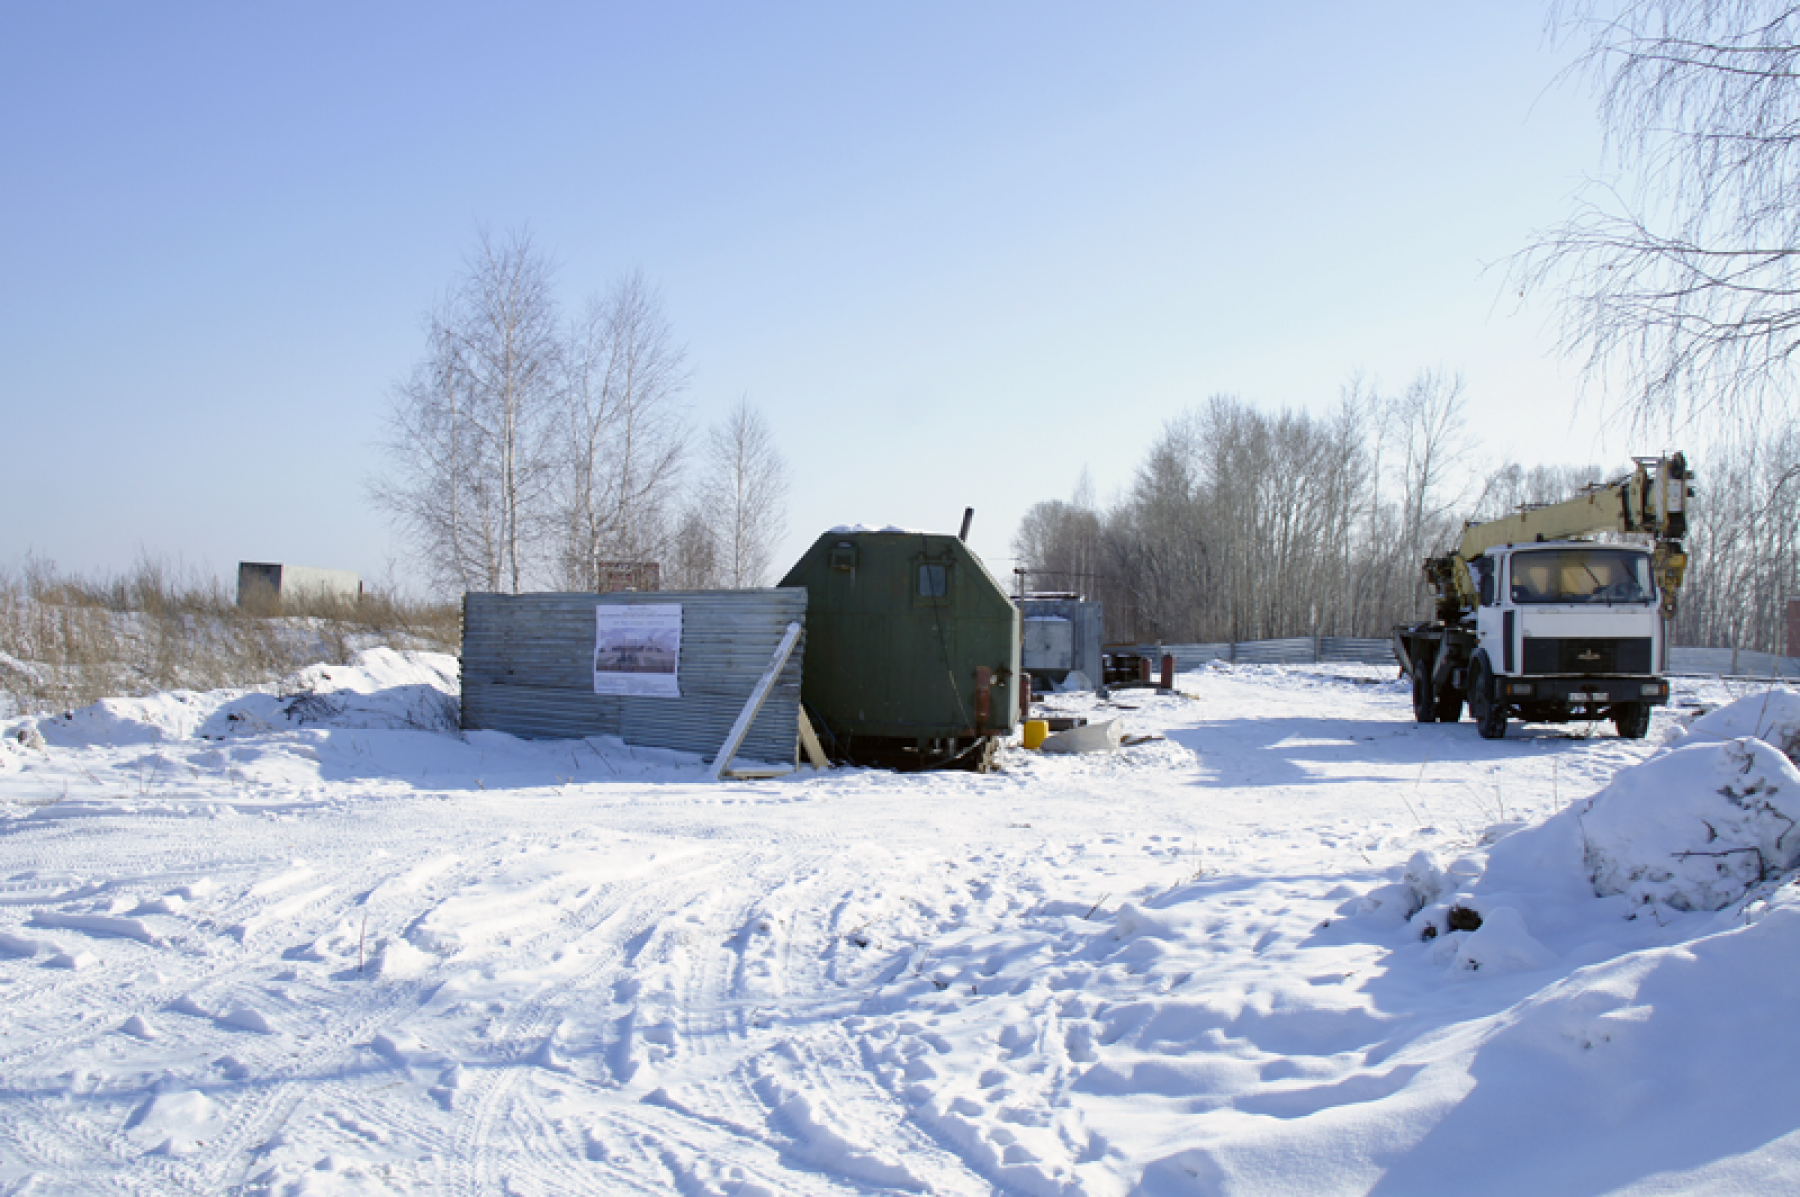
[
  {"x": 809, "y": 740},
  {"x": 735, "y": 738}
]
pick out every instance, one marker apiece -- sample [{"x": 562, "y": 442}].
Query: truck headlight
[{"x": 1653, "y": 689}]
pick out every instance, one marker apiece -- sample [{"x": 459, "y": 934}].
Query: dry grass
[{"x": 67, "y": 641}]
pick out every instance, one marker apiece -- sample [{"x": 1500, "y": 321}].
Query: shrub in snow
[
  {"x": 1499, "y": 943},
  {"x": 1421, "y": 884},
  {"x": 1694, "y": 828}
]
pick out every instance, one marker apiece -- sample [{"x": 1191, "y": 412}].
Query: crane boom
[{"x": 1651, "y": 500}]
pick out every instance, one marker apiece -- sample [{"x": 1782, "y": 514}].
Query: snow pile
[
  {"x": 1773, "y": 717},
  {"x": 379, "y": 689},
  {"x": 1693, "y": 828},
  {"x": 175, "y": 1123},
  {"x": 1696, "y": 828},
  {"x": 1632, "y": 1073},
  {"x": 1422, "y": 883},
  {"x": 156, "y": 719}
]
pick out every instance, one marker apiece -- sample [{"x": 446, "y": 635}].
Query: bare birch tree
[
  {"x": 1512, "y": 487},
  {"x": 1683, "y": 280},
  {"x": 1431, "y": 442},
  {"x": 744, "y": 495},
  {"x": 693, "y": 560},
  {"x": 470, "y": 431},
  {"x": 622, "y": 429}
]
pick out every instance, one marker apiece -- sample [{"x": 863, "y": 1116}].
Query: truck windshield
[{"x": 1581, "y": 575}]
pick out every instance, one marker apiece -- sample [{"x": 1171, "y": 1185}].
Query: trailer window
[
  {"x": 1581, "y": 575},
  {"x": 934, "y": 580}
]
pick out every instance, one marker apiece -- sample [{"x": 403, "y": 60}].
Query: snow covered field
[{"x": 324, "y": 943}]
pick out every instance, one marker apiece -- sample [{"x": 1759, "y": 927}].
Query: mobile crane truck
[{"x": 1536, "y": 623}]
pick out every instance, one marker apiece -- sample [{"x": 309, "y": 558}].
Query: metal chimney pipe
[{"x": 968, "y": 518}]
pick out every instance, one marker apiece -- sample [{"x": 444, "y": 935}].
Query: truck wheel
[
  {"x": 1632, "y": 719},
  {"x": 1449, "y": 703},
  {"x": 1425, "y": 708},
  {"x": 1487, "y": 711}
]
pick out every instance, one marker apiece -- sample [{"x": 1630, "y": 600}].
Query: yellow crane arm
[{"x": 1652, "y": 499}]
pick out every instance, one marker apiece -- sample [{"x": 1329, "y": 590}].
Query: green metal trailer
[{"x": 912, "y": 650}]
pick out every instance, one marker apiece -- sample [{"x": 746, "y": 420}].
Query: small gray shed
[
  {"x": 1062, "y": 636},
  {"x": 267, "y": 581},
  {"x": 661, "y": 669}
]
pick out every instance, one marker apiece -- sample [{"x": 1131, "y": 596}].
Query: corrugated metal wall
[
  {"x": 1309, "y": 650},
  {"x": 1730, "y": 662},
  {"x": 528, "y": 670},
  {"x": 1298, "y": 650}
]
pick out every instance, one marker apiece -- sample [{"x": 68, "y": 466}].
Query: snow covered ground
[{"x": 324, "y": 943}]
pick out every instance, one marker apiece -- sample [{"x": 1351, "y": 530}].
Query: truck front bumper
[{"x": 1584, "y": 691}]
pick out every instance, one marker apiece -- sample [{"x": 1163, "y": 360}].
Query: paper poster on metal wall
[{"x": 637, "y": 650}]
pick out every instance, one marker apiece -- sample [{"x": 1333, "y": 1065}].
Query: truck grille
[{"x": 1592, "y": 655}]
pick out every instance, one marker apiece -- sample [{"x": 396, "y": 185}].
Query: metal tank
[{"x": 912, "y": 650}]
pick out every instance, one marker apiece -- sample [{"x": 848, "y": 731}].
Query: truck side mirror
[{"x": 1484, "y": 571}]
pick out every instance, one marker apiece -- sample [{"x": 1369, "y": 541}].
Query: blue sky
[{"x": 956, "y": 253}]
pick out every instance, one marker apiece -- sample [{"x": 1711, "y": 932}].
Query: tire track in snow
[
  {"x": 526, "y": 1023},
  {"x": 220, "y": 956},
  {"x": 334, "y": 1090},
  {"x": 426, "y": 884},
  {"x": 800, "y": 1085}
]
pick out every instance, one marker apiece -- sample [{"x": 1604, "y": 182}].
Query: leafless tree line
[
  {"x": 1246, "y": 525},
  {"x": 526, "y": 450},
  {"x": 1744, "y": 544},
  {"x": 1243, "y": 525}
]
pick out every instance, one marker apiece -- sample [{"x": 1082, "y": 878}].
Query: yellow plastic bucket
[{"x": 1036, "y": 730}]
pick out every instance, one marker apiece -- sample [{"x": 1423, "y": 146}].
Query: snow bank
[
  {"x": 157, "y": 719},
  {"x": 380, "y": 689}
]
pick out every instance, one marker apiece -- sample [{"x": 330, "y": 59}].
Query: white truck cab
[{"x": 1566, "y": 628}]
